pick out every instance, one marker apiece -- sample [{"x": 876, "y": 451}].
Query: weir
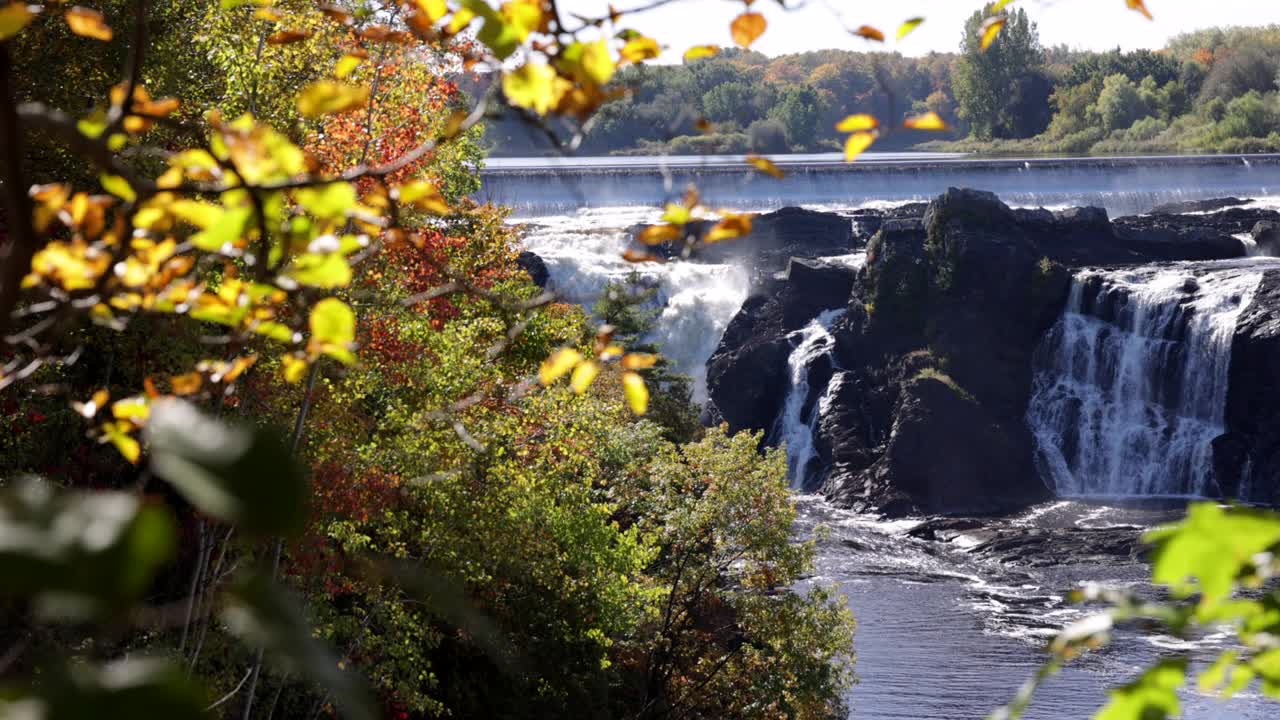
[
  {"x": 1121, "y": 185},
  {"x": 1130, "y": 384}
]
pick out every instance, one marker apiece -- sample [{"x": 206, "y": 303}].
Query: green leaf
[
  {"x": 1153, "y": 696},
  {"x": 121, "y": 690},
  {"x": 264, "y": 614},
  {"x": 80, "y": 554},
  {"x": 1208, "y": 549},
  {"x": 321, "y": 270},
  {"x": 238, "y": 473}
]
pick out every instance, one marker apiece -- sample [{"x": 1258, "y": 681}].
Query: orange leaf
[
  {"x": 928, "y": 121},
  {"x": 766, "y": 166},
  {"x": 658, "y": 234},
  {"x": 639, "y": 256},
  {"x": 286, "y": 37},
  {"x": 88, "y": 23},
  {"x": 1140, "y": 6},
  {"x": 639, "y": 361},
  {"x": 731, "y": 227},
  {"x": 870, "y": 33},
  {"x": 747, "y": 27}
]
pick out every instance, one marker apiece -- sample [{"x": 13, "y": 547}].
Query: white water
[
  {"x": 1130, "y": 385},
  {"x": 795, "y": 425},
  {"x": 583, "y": 253}
]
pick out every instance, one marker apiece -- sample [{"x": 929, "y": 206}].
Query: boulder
[
  {"x": 775, "y": 237},
  {"x": 1266, "y": 235},
  {"x": 535, "y": 266},
  {"x": 1197, "y": 206}
]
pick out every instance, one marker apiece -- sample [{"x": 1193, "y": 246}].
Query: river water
[{"x": 943, "y": 632}]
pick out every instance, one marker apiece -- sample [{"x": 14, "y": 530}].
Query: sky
[{"x": 821, "y": 24}]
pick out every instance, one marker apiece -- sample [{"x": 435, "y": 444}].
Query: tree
[
  {"x": 983, "y": 78},
  {"x": 729, "y": 103},
  {"x": 799, "y": 112},
  {"x": 1120, "y": 104}
]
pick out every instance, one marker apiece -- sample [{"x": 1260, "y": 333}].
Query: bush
[{"x": 1120, "y": 104}]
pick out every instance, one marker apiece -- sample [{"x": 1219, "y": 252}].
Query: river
[{"x": 942, "y": 633}]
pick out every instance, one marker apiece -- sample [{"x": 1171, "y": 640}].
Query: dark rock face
[
  {"x": 1247, "y": 457},
  {"x": 920, "y": 407},
  {"x": 775, "y": 237},
  {"x": 534, "y": 265}
]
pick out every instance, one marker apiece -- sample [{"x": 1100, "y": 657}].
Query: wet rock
[
  {"x": 534, "y": 265},
  {"x": 1266, "y": 233},
  {"x": 1248, "y": 456},
  {"x": 775, "y": 237},
  {"x": 1197, "y": 206}
]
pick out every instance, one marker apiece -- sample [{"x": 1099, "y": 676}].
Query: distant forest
[{"x": 1214, "y": 90}]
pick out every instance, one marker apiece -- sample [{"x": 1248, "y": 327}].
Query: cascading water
[
  {"x": 1130, "y": 384},
  {"x": 583, "y": 254},
  {"x": 795, "y": 423}
]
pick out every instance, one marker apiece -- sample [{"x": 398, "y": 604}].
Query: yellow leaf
[
  {"x": 870, "y": 33},
  {"x": 346, "y": 66},
  {"x": 639, "y": 361},
  {"x": 583, "y": 376},
  {"x": 100, "y": 398},
  {"x": 333, "y": 330},
  {"x": 907, "y": 27},
  {"x": 424, "y": 195},
  {"x": 560, "y": 362},
  {"x": 637, "y": 394},
  {"x": 432, "y": 9},
  {"x": 198, "y": 213},
  {"x": 858, "y": 123},
  {"x": 747, "y": 27},
  {"x": 697, "y": 52},
  {"x": 730, "y": 228},
  {"x": 676, "y": 214},
  {"x": 117, "y": 433},
  {"x": 991, "y": 30},
  {"x": 658, "y": 234},
  {"x": 531, "y": 86},
  {"x": 117, "y": 186},
  {"x": 327, "y": 96},
  {"x": 641, "y": 49},
  {"x": 14, "y": 17},
  {"x": 294, "y": 368},
  {"x": 766, "y": 166},
  {"x": 460, "y": 20},
  {"x": 1140, "y": 6},
  {"x": 928, "y": 121},
  {"x": 597, "y": 63},
  {"x": 88, "y": 23},
  {"x": 1000, "y": 5},
  {"x": 856, "y": 144},
  {"x": 135, "y": 408}
]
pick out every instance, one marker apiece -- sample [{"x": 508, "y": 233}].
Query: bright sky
[{"x": 820, "y": 24}]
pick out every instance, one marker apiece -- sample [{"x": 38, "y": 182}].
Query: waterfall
[
  {"x": 795, "y": 423},
  {"x": 583, "y": 254},
  {"x": 1130, "y": 384}
]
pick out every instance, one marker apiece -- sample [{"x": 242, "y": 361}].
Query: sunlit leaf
[
  {"x": 583, "y": 375},
  {"x": 333, "y": 329},
  {"x": 135, "y": 409},
  {"x": 118, "y": 435},
  {"x": 531, "y": 86},
  {"x": 639, "y": 361},
  {"x": 422, "y": 194},
  {"x": 226, "y": 231},
  {"x": 747, "y": 27},
  {"x": 294, "y": 368},
  {"x": 1140, "y": 6},
  {"x": 640, "y": 49},
  {"x": 559, "y": 363},
  {"x": 14, "y": 16},
  {"x": 117, "y": 186},
  {"x": 991, "y": 30},
  {"x": 88, "y": 23},
  {"x": 346, "y": 66},
  {"x": 927, "y": 121},
  {"x": 1207, "y": 550},
  {"x": 676, "y": 214},
  {"x": 330, "y": 201},
  {"x": 637, "y": 394},
  {"x": 433, "y": 10},
  {"x": 857, "y": 144},
  {"x": 186, "y": 384},
  {"x": 697, "y": 52},
  {"x": 909, "y": 26},
  {"x": 319, "y": 270},
  {"x": 640, "y": 256},
  {"x": 1153, "y": 695},
  {"x": 870, "y": 33},
  {"x": 1000, "y": 5},
  {"x": 766, "y": 166},
  {"x": 327, "y": 96},
  {"x": 730, "y": 227},
  {"x": 658, "y": 234},
  {"x": 858, "y": 123}
]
